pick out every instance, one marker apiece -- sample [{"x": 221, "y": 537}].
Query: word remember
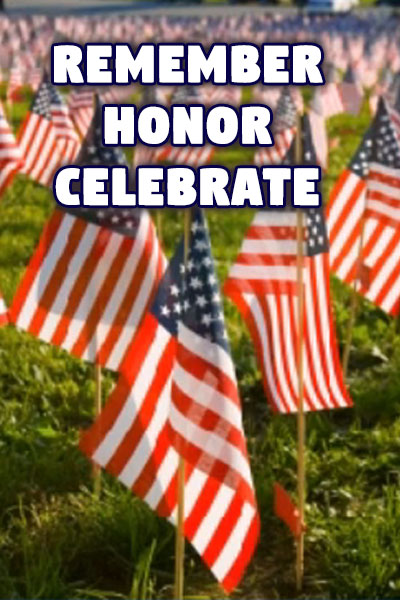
[{"x": 178, "y": 64}]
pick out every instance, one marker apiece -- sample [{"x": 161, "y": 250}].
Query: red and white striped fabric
[
  {"x": 363, "y": 224},
  {"x": 35, "y": 77},
  {"x": 275, "y": 154},
  {"x": 87, "y": 286},
  {"x": 383, "y": 193},
  {"x": 193, "y": 156},
  {"x": 320, "y": 136},
  {"x": 132, "y": 440},
  {"x": 263, "y": 285},
  {"x": 81, "y": 107},
  {"x": 327, "y": 100},
  {"x": 11, "y": 159},
  {"x": 68, "y": 141},
  {"x": 206, "y": 415},
  {"x": 37, "y": 139},
  {"x": 351, "y": 93},
  {"x": 15, "y": 83},
  {"x": 375, "y": 266},
  {"x": 4, "y": 318}
]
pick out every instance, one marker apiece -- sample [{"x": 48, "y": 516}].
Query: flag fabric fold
[
  {"x": 263, "y": 284},
  {"x": 11, "y": 159},
  {"x": 37, "y": 138},
  {"x": 93, "y": 274},
  {"x": 152, "y": 410},
  {"x": 363, "y": 216}
]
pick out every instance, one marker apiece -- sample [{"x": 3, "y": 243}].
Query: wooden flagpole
[
  {"x": 180, "y": 533},
  {"x": 97, "y": 411},
  {"x": 159, "y": 226},
  {"x": 301, "y": 424},
  {"x": 180, "y": 517},
  {"x": 354, "y": 305}
]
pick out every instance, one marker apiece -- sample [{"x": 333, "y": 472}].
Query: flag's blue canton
[
  {"x": 42, "y": 101},
  {"x": 378, "y": 145},
  {"x": 93, "y": 152},
  {"x": 385, "y": 148},
  {"x": 191, "y": 294},
  {"x": 55, "y": 96},
  {"x": 286, "y": 112},
  {"x": 123, "y": 221},
  {"x": 167, "y": 306},
  {"x": 201, "y": 297}
]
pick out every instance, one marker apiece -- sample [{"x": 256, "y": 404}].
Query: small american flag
[
  {"x": 67, "y": 138},
  {"x": 93, "y": 274},
  {"x": 80, "y": 104},
  {"x": 263, "y": 284},
  {"x": 351, "y": 93},
  {"x": 15, "y": 82},
  {"x": 205, "y": 418},
  {"x": 37, "y": 138},
  {"x": 327, "y": 100},
  {"x": 364, "y": 210},
  {"x": 11, "y": 159},
  {"x": 131, "y": 438},
  {"x": 316, "y": 115},
  {"x": 35, "y": 78},
  {"x": 284, "y": 128}
]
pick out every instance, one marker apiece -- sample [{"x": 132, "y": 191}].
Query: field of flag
[{"x": 194, "y": 323}]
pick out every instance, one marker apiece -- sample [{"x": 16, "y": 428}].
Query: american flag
[
  {"x": 93, "y": 274},
  {"x": 316, "y": 115},
  {"x": 205, "y": 418},
  {"x": 15, "y": 83},
  {"x": 131, "y": 438},
  {"x": 327, "y": 100},
  {"x": 363, "y": 216},
  {"x": 80, "y": 104},
  {"x": 351, "y": 93},
  {"x": 68, "y": 141},
  {"x": 35, "y": 78},
  {"x": 263, "y": 284},
  {"x": 11, "y": 159},
  {"x": 37, "y": 138},
  {"x": 284, "y": 128}
]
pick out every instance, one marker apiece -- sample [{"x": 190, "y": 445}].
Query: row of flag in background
[{"x": 100, "y": 286}]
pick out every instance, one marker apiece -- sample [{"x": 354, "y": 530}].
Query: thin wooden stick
[
  {"x": 180, "y": 533},
  {"x": 354, "y": 305},
  {"x": 159, "y": 225},
  {"x": 301, "y": 423},
  {"x": 97, "y": 411},
  {"x": 180, "y": 517}
]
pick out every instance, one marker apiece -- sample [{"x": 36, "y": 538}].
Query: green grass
[{"x": 58, "y": 541}]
